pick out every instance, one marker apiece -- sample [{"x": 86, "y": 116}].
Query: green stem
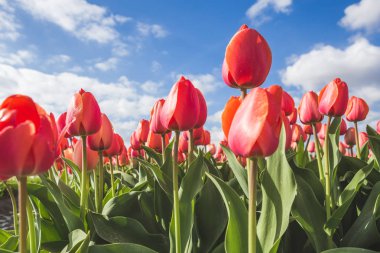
[
  {"x": 96, "y": 188},
  {"x": 252, "y": 185},
  {"x": 101, "y": 181},
  {"x": 163, "y": 148},
  {"x": 84, "y": 181},
  {"x": 22, "y": 196},
  {"x": 307, "y": 144},
  {"x": 112, "y": 184},
  {"x": 32, "y": 231},
  {"x": 14, "y": 207},
  {"x": 357, "y": 140},
  {"x": 175, "y": 195},
  {"x": 191, "y": 147},
  {"x": 243, "y": 93},
  {"x": 327, "y": 176},
  {"x": 65, "y": 168},
  {"x": 318, "y": 154}
]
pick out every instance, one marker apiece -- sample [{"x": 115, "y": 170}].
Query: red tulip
[
  {"x": 322, "y": 132},
  {"x": 155, "y": 141},
  {"x": 142, "y": 131},
  {"x": 211, "y": 149},
  {"x": 123, "y": 157},
  {"x": 28, "y": 136},
  {"x": 181, "y": 157},
  {"x": 255, "y": 129},
  {"x": 248, "y": 59},
  {"x": 308, "y": 108},
  {"x": 197, "y": 134},
  {"x": 183, "y": 145},
  {"x": 228, "y": 113},
  {"x": 206, "y": 138},
  {"x": 155, "y": 121},
  {"x": 343, "y": 127},
  {"x": 349, "y": 137},
  {"x": 342, "y": 148},
  {"x": 116, "y": 147},
  {"x": 202, "y": 110},
  {"x": 134, "y": 140},
  {"x": 181, "y": 109},
  {"x": 297, "y": 133},
  {"x": 357, "y": 109},
  {"x": 333, "y": 98},
  {"x": 287, "y": 104},
  {"x": 293, "y": 117},
  {"x": 311, "y": 147},
  {"x": 103, "y": 138},
  {"x": 363, "y": 139},
  {"x": 83, "y": 115},
  {"x": 309, "y": 130},
  {"x": 92, "y": 156},
  {"x": 288, "y": 131},
  {"x": 61, "y": 124}
]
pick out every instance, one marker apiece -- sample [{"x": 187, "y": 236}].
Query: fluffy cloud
[
  {"x": 204, "y": 82},
  {"x": 362, "y": 15},
  {"x": 9, "y": 27},
  {"x": 256, "y": 11},
  {"x": 155, "y": 30},
  {"x": 18, "y": 58},
  {"x": 84, "y": 20},
  {"x": 108, "y": 64},
  {"x": 122, "y": 100}
]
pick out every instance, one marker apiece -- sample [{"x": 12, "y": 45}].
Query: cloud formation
[
  {"x": 363, "y": 15},
  {"x": 257, "y": 11}
]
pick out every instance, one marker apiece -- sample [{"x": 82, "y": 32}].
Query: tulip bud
[
  {"x": 308, "y": 108},
  {"x": 287, "y": 104},
  {"x": 255, "y": 129},
  {"x": 181, "y": 109},
  {"x": 293, "y": 117},
  {"x": 349, "y": 137},
  {"x": 183, "y": 145},
  {"x": 92, "y": 156},
  {"x": 311, "y": 147},
  {"x": 155, "y": 121},
  {"x": 247, "y": 60},
  {"x": 142, "y": 131},
  {"x": 343, "y": 127},
  {"x": 116, "y": 147},
  {"x": 103, "y": 138},
  {"x": 333, "y": 98},
  {"x": 297, "y": 133},
  {"x": 228, "y": 113},
  {"x": 357, "y": 109},
  {"x": 83, "y": 115},
  {"x": 202, "y": 110}
]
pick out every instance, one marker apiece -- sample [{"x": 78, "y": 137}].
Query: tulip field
[{"x": 286, "y": 177}]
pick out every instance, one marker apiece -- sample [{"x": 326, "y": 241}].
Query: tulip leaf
[
  {"x": 374, "y": 142},
  {"x": 127, "y": 230},
  {"x": 10, "y": 244},
  {"x": 278, "y": 192},
  {"x": 238, "y": 170},
  {"x": 346, "y": 198},
  {"x": 76, "y": 237},
  {"x": 163, "y": 179},
  {"x": 364, "y": 231},
  {"x": 191, "y": 185},
  {"x": 120, "y": 247},
  {"x": 236, "y": 238},
  {"x": 153, "y": 154},
  {"x": 348, "y": 250},
  {"x": 301, "y": 158}
]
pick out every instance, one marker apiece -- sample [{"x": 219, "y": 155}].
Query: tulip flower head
[
  {"x": 349, "y": 137},
  {"x": 357, "y": 109},
  {"x": 228, "y": 113},
  {"x": 308, "y": 109},
  {"x": 343, "y": 127},
  {"x": 155, "y": 121},
  {"x": 311, "y": 147},
  {"x": 287, "y": 104},
  {"x": 202, "y": 110},
  {"x": 92, "y": 156},
  {"x": 103, "y": 138},
  {"x": 293, "y": 117},
  {"x": 333, "y": 98}
]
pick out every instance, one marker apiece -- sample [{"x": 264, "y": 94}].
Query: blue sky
[{"x": 129, "y": 53}]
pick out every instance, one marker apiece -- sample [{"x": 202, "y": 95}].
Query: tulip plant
[{"x": 285, "y": 178}]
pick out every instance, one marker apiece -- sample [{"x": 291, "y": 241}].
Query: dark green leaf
[
  {"x": 349, "y": 250},
  {"x": 120, "y": 247}
]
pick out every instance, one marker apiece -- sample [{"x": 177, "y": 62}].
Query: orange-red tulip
[
  {"x": 349, "y": 137},
  {"x": 142, "y": 131},
  {"x": 297, "y": 133},
  {"x": 309, "y": 130},
  {"x": 287, "y": 104},
  {"x": 155, "y": 121},
  {"x": 357, "y": 109},
  {"x": 293, "y": 117},
  {"x": 343, "y": 127},
  {"x": 116, "y": 147},
  {"x": 333, "y": 98},
  {"x": 61, "y": 123},
  {"x": 103, "y": 138},
  {"x": 155, "y": 141},
  {"x": 83, "y": 115},
  {"x": 183, "y": 145},
  {"x": 202, "y": 110},
  {"x": 308, "y": 108},
  {"x": 228, "y": 114},
  {"x": 342, "y": 148},
  {"x": 181, "y": 109},
  {"x": 92, "y": 156},
  {"x": 123, "y": 157},
  {"x": 248, "y": 59},
  {"x": 28, "y": 136},
  {"x": 255, "y": 129}
]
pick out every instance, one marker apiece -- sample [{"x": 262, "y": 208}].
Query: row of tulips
[{"x": 171, "y": 156}]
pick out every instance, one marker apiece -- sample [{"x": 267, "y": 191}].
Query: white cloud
[
  {"x": 217, "y": 135},
  {"x": 156, "y": 66},
  {"x": 9, "y": 27},
  {"x": 59, "y": 59},
  {"x": 85, "y": 20},
  {"x": 216, "y": 117},
  {"x": 155, "y": 30},
  {"x": 362, "y": 15},
  {"x": 151, "y": 87},
  {"x": 18, "y": 58},
  {"x": 122, "y": 101},
  {"x": 204, "y": 82},
  {"x": 109, "y": 64},
  {"x": 257, "y": 11}
]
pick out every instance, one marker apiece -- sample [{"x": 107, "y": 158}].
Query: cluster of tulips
[{"x": 34, "y": 143}]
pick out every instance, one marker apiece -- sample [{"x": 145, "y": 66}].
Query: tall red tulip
[
  {"x": 255, "y": 129},
  {"x": 357, "y": 109},
  {"x": 287, "y": 104},
  {"x": 92, "y": 156},
  {"x": 202, "y": 110},
  {"x": 103, "y": 138},
  {"x": 61, "y": 123},
  {"x": 248, "y": 59},
  {"x": 228, "y": 113},
  {"x": 293, "y": 117},
  {"x": 181, "y": 109},
  {"x": 308, "y": 108},
  {"x": 155, "y": 121},
  {"x": 142, "y": 131},
  {"x": 155, "y": 141},
  {"x": 333, "y": 98},
  {"x": 116, "y": 147},
  {"x": 83, "y": 115},
  {"x": 134, "y": 140}
]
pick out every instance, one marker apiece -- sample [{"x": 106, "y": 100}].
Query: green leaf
[
  {"x": 364, "y": 232},
  {"x": 127, "y": 230},
  {"x": 278, "y": 192},
  {"x": 10, "y": 244},
  {"x": 238, "y": 170},
  {"x": 120, "y": 247},
  {"x": 121, "y": 205},
  {"x": 76, "y": 237},
  {"x": 236, "y": 238},
  {"x": 346, "y": 198},
  {"x": 163, "y": 179},
  {"x": 153, "y": 154},
  {"x": 349, "y": 250},
  {"x": 374, "y": 142},
  {"x": 301, "y": 158}
]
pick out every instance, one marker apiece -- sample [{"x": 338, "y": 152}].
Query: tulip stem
[
  {"x": 352, "y": 151},
  {"x": 22, "y": 196},
  {"x": 243, "y": 93},
  {"x": 327, "y": 176},
  {"x": 252, "y": 185},
  {"x": 163, "y": 147},
  {"x": 357, "y": 140},
  {"x": 101, "y": 181},
  {"x": 191, "y": 147},
  {"x": 307, "y": 144},
  {"x": 14, "y": 207},
  {"x": 32, "y": 231},
  {"x": 84, "y": 183},
  {"x": 175, "y": 195},
  {"x": 112, "y": 184},
  {"x": 319, "y": 161},
  {"x": 96, "y": 187}
]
